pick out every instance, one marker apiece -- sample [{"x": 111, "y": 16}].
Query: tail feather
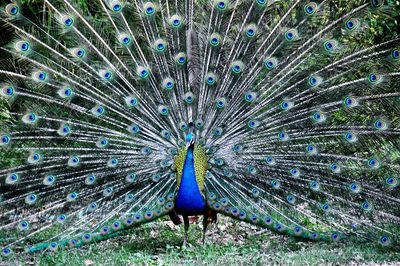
[{"x": 296, "y": 108}]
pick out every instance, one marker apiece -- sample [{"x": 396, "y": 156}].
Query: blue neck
[{"x": 189, "y": 200}]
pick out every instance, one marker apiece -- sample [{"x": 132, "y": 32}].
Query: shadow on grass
[{"x": 228, "y": 243}]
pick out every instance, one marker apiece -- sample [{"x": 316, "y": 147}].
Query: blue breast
[{"x": 189, "y": 200}]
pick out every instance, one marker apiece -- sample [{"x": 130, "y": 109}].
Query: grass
[{"x": 228, "y": 243}]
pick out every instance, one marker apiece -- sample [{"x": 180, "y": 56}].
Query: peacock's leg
[
  {"x": 186, "y": 222},
  {"x": 205, "y": 224},
  {"x": 175, "y": 218}
]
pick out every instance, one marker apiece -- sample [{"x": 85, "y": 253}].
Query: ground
[{"x": 228, "y": 243}]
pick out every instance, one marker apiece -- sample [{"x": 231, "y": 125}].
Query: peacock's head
[{"x": 190, "y": 139}]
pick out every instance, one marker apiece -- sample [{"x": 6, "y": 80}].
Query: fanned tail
[{"x": 296, "y": 110}]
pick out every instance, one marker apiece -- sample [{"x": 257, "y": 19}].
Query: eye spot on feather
[
  {"x": 350, "y": 137},
  {"x": 92, "y": 207},
  {"x": 275, "y": 184},
  {"x": 355, "y": 188},
  {"x": 86, "y": 237},
  {"x": 325, "y": 207},
  {"x": 220, "y": 103},
  {"x": 90, "y": 180},
  {"x": 199, "y": 124},
  {"x": 116, "y": 5},
  {"x": 261, "y": 3},
  {"x": 67, "y": 21},
  {"x": 291, "y": 35},
  {"x": 237, "y": 148},
  {"x": 377, "y": 3},
  {"x": 49, "y": 180},
  {"x": 106, "y": 74},
  {"x": 168, "y": 84},
  {"x": 160, "y": 45},
  {"x": 146, "y": 151},
  {"x": 392, "y": 182},
  {"x": 251, "y": 31},
  {"x": 314, "y": 81},
  {"x": 73, "y": 161},
  {"x": 124, "y": 39},
  {"x": 40, "y": 76},
  {"x": 279, "y": 227},
  {"x": 66, "y": 92},
  {"x": 218, "y": 131},
  {"x": 72, "y": 197},
  {"x": 188, "y": 98},
  {"x": 175, "y": 21},
  {"x": 310, "y": 8},
  {"x": 73, "y": 242},
  {"x": 215, "y": 39},
  {"x": 283, "y": 136},
  {"x": 180, "y": 59},
  {"x": 61, "y": 218},
  {"x": 6, "y": 252},
  {"x": 22, "y": 46},
  {"x": 318, "y": 117},
  {"x": 366, "y": 206},
  {"x": 149, "y": 9},
  {"x": 352, "y": 24},
  {"x": 237, "y": 67},
  {"x": 12, "y": 9},
  {"x": 253, "y": 124},
  {"x": 384, "y": 240},
  {"x": 335, "y": 236},
  {"x": 291, "y": 199},
  {"x": 311, "y": 150},
  {"x": 7, "y": 91},
  {"x": 395, "y": 54},
  {"x": 210, "y": 78},
  {"x": 286, "y": 105},
  {"x": 35, "y": 158},
  {"x": 221, "y": 5},
  {"x": 335, "y": 168},
  {"x": 314, "y": 185},
  {"x": 101, "y": 143},
  {"x": 270, "y": 63},
  {"x": 23, "y": 225},
  {"x": 4, "y": 140},
  {"x": 98, "y": 110},
  {"x": 297, "y": 230},
  {"x": 374, "y": 78},
  {"x": 112, "y": 162},
  {"x": 270, "y": 160},
  {"x": 183, "y": 126},
  {"x": 12, "y": 179},
  {"x": 142, "y": 72},
  {"x": 78, "y": 53},
  {"x": 250, "y": 96},
  {"x": 108, "y": 192},
  {"x": 374, "y": 163},
  {"x": 350, "y": 102},
  {"x": 295, "y": 172},
  {"x": 31, "y": 199},
  {"x": 268, "y": 220},
  {"x": 380, "y": 125}
]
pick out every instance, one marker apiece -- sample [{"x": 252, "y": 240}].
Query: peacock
[{"x": 277, "y": 113}]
